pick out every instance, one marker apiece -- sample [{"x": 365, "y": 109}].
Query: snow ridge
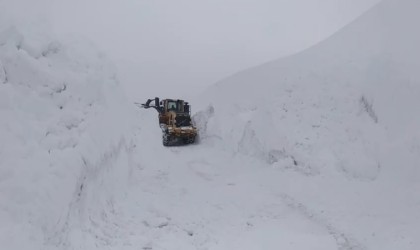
[{"x": 59, "y": 104}]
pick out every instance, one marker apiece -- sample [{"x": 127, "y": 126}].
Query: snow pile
[
  {"x": 64, "y": 128},
  {"x": 340, "y": 119},
  {"x": 351, "y": 95}
]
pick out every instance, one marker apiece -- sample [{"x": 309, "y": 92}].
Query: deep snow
[
  {"x": 62, "y": 136},
  {"x": 319, "y": 150},
  {"x": 342, "y": 115}
]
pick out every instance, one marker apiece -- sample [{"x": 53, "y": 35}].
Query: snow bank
[
  {"x": 65, "y": 140},
  {"x": 352, "y": 98},
  {"x": 340, "y": 122}
]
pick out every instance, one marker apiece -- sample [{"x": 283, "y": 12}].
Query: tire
[
  {"x": 189, "y": 140},
  {"x": 166, "y": 140}
]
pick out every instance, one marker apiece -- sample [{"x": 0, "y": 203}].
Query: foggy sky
[{"x": 176, "y": 48}]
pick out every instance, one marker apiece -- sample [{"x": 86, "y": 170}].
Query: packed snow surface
[{"x": 319, "y": 150}]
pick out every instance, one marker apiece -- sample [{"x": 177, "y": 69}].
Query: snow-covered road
[
  {"x": 203, "y": 197},
  {"x": 200, "y": 197}
]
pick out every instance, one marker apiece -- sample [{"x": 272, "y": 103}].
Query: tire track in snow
[
  {"x": 343, "y": 241},
  {"x": 78, "y": 208}
]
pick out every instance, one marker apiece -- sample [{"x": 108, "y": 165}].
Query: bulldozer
[{"x": 174, "y": 120}]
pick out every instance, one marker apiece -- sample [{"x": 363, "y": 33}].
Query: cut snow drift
[
  {"x": 64, "y": 125},
  {"x": 353, "y": 95},
  {"x": 345, "y": 113}
]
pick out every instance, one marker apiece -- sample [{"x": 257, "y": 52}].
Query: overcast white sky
[{"x": 176, "y": 48}]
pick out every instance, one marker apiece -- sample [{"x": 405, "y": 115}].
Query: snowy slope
[
  {"x": 314, "y": 151},
  {"x": 339, "y": 120},
  {"x": 64, "y": 127},
  {"x": 377, "y": 52}
]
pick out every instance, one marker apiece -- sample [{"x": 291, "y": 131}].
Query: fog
[{"x": 177, "y": 48}]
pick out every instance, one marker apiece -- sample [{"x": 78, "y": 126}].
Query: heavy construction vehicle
[{"x": 174, "y": 120}]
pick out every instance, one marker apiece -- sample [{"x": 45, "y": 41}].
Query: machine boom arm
[{"x": 147, "y": 105}]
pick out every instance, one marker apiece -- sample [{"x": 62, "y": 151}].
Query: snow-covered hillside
[
  {"x": 365, "y": 77},
  {"x": 342, "y": 115},
  {"x": 319, "y": 150},
  {"x": 64, "y": 126}
]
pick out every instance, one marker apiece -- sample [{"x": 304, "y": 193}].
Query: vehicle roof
[{"x": 173, "y": 100}]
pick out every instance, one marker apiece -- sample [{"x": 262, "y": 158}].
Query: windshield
[{"x": 172, "y": 105}]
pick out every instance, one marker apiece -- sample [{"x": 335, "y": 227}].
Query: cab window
[{"x": 172, "y": 106}]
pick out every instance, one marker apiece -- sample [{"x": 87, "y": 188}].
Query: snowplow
[{"x": 174, "y": 120}]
